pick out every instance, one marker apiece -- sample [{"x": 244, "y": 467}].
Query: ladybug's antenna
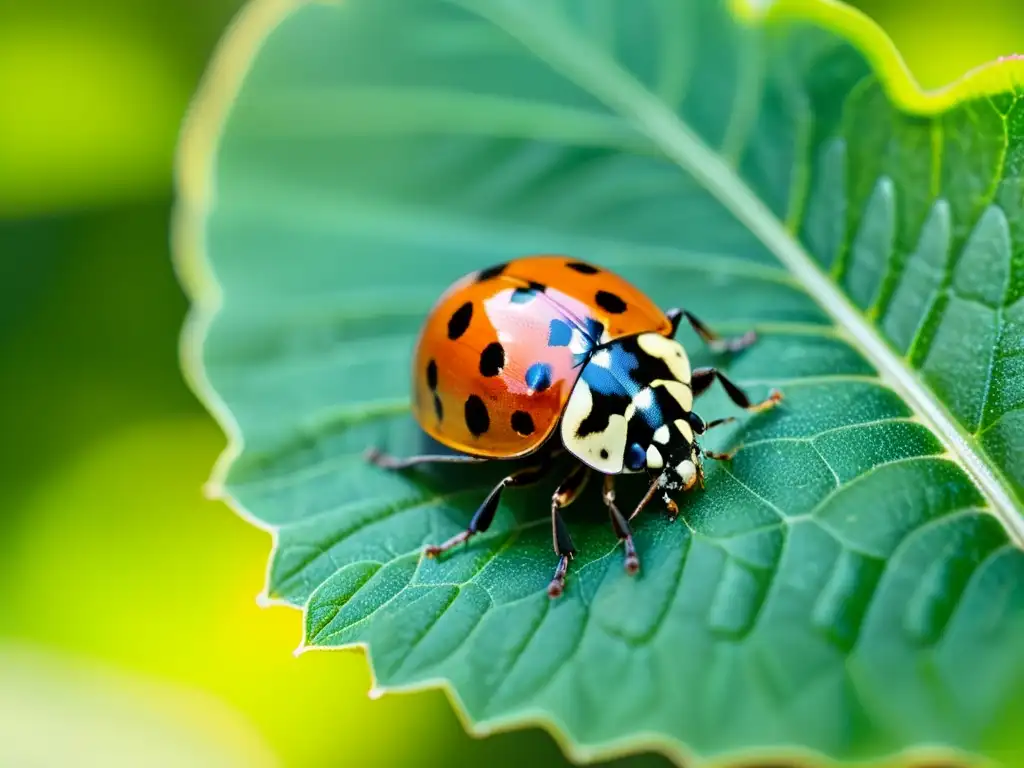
[{"x": 647, "y": 497}]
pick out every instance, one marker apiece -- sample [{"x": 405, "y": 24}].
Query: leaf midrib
[{"x": 576, "y": 59}]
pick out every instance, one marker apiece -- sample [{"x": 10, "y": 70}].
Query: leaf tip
[{"x": 213, "y": 490}]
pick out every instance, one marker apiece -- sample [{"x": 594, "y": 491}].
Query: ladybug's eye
[{"x": 636, "y": 457}]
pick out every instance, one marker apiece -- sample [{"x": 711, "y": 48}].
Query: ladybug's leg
[
  {"x": 698, "y": 425},
  {"x": 620, "y": 526},
  {"x": 719, "y": 422},
  {"x": 699, "y": 428},
  {"x": 484, "y": 515},
  {"x": 702, "y": 378},
  {"x": 566, "y": 494},
  {"x": 386, "y": 461},
  {"x": 712, "y": 339}
]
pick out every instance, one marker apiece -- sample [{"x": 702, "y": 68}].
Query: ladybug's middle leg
[
  {"x": 566, "y": 494},
  {"x": 712, "y": 339},
  {"x": 484, "y": 515},
  {"x": 620, "y": 525}
]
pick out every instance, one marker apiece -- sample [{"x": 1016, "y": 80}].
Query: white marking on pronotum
[
  {"x": 684, "y": 429},
  {"x": 588, "y": 449},
  {"x": 679, "y": 392},
  {"x": 654, "y": 460},
  {"x": 668, "y": 351},
  {"x": 644, "y": 399}
]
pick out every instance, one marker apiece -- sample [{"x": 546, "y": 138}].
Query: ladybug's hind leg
[
  {"x": 484, "y": 515},
  {"x": 620, "y": 525},
  {"x": 712, "y": 339},
  {"x": 386, "y": 461},
  {"x": 567, "y": 493}
]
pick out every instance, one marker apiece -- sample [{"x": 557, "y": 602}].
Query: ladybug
[{"x": 512, "y": 354}]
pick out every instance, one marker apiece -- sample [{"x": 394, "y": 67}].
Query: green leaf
[{"x": 850, "y": 586}]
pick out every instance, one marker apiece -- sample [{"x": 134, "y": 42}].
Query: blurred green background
[{"x": 129, "y": 631}]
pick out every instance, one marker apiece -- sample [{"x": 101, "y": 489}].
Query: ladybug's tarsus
[
  {"x": 557, "y": 585},
  {"x": 715, "y": 342},
  {"x": 773, "y": 399},
  {"x": 728, "y": 456},
  {"x": 433, "y": 550}
]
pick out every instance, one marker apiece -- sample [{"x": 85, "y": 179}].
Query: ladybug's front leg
[
  {"x": 566, "y": 494},
  {"x": 703, "y": 377},
  {"x": 484, "y": 515}
]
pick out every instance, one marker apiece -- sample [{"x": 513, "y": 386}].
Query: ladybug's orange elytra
[{"x": 497, "y": 358}]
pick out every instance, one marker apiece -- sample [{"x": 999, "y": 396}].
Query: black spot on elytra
[
  {"x": 477, "y": 419},
  {"x": 492, "y": 359},
  {"x": 438, "y": 408},
  {"x": 604, "y": 453},
  {"x": 582, "y": 267},
  {"x": 610, "y": 302},
  {"x": 432, "y": 375},
  {"x": 487, "y": 274},
  {"x": 459, "y": 321},
  {"x": 538, "y": 377},
  {"x": 522, "y": 423}
]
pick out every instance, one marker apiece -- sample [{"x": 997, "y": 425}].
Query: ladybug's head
[
  {"x": 683, "y": 467},
  {"x": 677, "y": 466}
]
